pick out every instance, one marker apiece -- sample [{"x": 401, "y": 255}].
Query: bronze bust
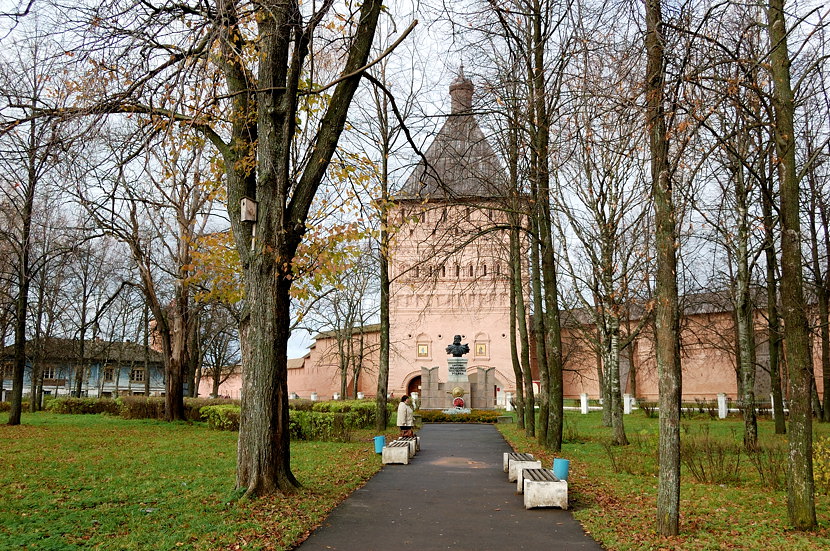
[{"x": 456, "y": 348}]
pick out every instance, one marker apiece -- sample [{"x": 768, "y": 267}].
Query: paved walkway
[{"x": 452, "y": 495}]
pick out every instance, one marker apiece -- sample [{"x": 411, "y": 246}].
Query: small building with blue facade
[{"x": 110, "y": 368}]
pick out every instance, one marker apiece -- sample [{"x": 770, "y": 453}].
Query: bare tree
[
  {"x": 601, "y": 195},
  {"x": 158, "y": 214},
  {"x": 666, "y": 312},
  {"x": 800, "y": 491},
  {"x": 29, "y": 155}
]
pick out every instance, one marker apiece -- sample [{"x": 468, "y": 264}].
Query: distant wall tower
[{"x": 449, "y": 268}]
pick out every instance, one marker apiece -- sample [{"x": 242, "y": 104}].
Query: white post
[
  {"x": 627, "y": 404},
  {"x": 335, "y": 396},
  {"x": 583, "y": 403},
  {"x": 772, "y": 404},
  {"x": 359, "y": 395},
  {"x": 723, "y": 411},
  {"x": 313, "y": 396}
]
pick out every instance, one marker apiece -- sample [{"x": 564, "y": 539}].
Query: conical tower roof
[{"x": 460, "y": 161}]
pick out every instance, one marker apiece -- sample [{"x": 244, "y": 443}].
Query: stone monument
[
  {"x": 458, "y": 391},
  {"x": 458, "y": 379}
]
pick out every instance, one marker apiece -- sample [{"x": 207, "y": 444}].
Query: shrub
[
  {"x": 221, "y": 417},
  {"x": 639, "y": 458},
  {"x": 82, "y": 405},
  {"x": 193, "y": 406},
  {"x": 770, "y": 460},
  {"x": 301, "y": 404},
  {"x": 360, "y": 414},
  {"x": 707, "y": 406},
  {"x": 141, "y": 407},
  {"x": 710, "y": 460},
  {"x": 649, "y": 408},
  {"x": 821, "y": 464},
  {"x": 318, "y": 425},
  {"x": 7, "y": 406},
  {"x": 475, "y": 416}
]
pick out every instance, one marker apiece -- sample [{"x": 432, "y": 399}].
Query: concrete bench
[
  {"x": 414, "y": 443},
  {"x": 508, "y": 456},
  {"x": 395, "y": 452},
  {"x": 543, "y": 489},
  {"x": 516, "y": 467}
]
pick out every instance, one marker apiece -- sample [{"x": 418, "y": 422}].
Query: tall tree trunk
[
  {"x": 553, "y": 417},
  {"x": 539, "y": 338},
  {"x": 382, "y": 413},
  {"x": 800, "y": 491},
  {"x": 515, "y": 298},
  {"x": 818, "y": 207},
  {"x": 773, "y": 325},
  {"x": 529, "y": 398},
  {"x": 744, "y": 313},
  {"x": 666, "y": 318},
  {"x": 24, "y": 279},
  {"x": 263, "y": 465},
  {"x": 612, "y": 371},
  {"x": 176, "y": 365},
  {"x": 146, "y": 350}
]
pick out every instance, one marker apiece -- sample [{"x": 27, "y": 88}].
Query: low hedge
[
  {"x": 221, "y": 417},
  {"x": 475, "y": 416},
  {"x": 319, "y": 425},
  {"x": 128, "y": 407},
  {"x": 302, "y": 424},
  {"x": 7, "y": 406},
  {"x": 82, "y": 406}
]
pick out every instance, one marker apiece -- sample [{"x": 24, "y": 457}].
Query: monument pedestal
[{"x": 458, "y": 383}]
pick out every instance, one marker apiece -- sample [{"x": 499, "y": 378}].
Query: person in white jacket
[{"x": 406, "y": 417}]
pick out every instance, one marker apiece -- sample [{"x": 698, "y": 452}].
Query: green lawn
[
  {"x": 619, "y": 508},
  {"x": 91, "y": 481},
  {"x": 73, "y": 481}
]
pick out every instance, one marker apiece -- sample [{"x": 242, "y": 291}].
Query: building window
[
  {"x": 484, "y": 269},
  {"x": 457, "y": 270},
  {"x": 137, "y": 376},
  {"x": 49, "y": 373},
  {"x": 423, "y": 351},
  {"x": 443, "y": 271},
  {"x": 109, "y": 375},
  {"x": 471, "y": 270}
]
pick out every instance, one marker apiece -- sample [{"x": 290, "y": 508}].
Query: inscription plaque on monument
[{"x": 457, "y": 369}]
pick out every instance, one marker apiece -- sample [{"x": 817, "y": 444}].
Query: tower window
[
  {"x": 472, "y": 270},
  {"x": 484, "y": 269}
]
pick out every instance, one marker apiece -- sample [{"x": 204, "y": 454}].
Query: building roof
[
  {"x": 691, "y": 304},
  {"x": 356, "y": 330},
  {"x": 57, "y": 349},
  {"x": 460, "y": 163}
]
